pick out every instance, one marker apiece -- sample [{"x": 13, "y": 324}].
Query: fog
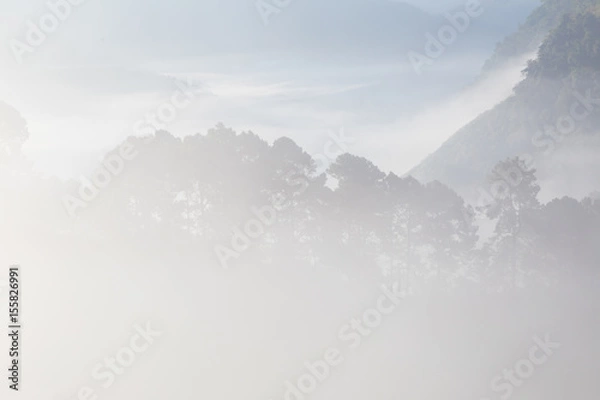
[
  {"x": 213, "y": 199},
  {"x": 257, "y": 326}
]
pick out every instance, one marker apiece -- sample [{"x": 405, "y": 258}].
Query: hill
[{"x": 551, "y": 121}]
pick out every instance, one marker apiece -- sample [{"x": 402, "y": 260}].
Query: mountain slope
[
  {"x": 532, "y": 33},
  {"x": 552, "y": 120}
]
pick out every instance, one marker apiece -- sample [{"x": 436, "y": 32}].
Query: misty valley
[{"x": 300, "y": 199}]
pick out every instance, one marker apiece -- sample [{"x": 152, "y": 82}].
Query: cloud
[{"x": 413, "y": 138}]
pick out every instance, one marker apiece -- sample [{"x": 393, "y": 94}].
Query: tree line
[{"x": 232, "y": 199}]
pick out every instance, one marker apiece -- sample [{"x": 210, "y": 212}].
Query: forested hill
[
  {"x": 535, "y": 29},
  {"x": 231, "y": 200},
  {"x": 551, "y": 121}
]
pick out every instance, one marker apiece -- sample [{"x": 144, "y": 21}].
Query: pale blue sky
[{"x": 333, "y": 63}]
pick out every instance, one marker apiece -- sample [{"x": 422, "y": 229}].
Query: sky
[{"x": 315, "y": 67}]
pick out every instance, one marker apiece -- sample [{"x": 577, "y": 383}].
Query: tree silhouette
[{"x": 516, "y": 189}]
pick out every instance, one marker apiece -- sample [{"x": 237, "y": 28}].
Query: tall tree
[{"x": 515, "y": 190}]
